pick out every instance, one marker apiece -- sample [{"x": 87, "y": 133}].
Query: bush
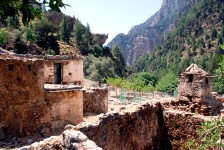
[{"x": 211, "y": 136}]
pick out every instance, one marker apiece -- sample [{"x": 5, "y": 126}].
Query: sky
[{"x": 111, "y": 16}]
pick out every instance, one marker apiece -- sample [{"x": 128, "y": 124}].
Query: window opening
[
  {"x": 29, "y": 67},
  {"x": 190, "y": 78},
  {"x": 206, "y": 80},
  {"x": 11, "y": 67}
]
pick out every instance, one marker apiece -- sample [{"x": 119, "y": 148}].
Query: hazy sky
[{"x": 112, "y": 16}]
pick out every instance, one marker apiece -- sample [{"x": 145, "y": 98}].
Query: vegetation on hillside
[{"x": 196, "y": 39}]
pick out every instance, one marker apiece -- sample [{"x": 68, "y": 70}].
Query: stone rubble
[{"x": 69, "y": 139}]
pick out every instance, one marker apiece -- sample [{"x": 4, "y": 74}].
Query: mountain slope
[
  {"x": 196, "y": 39},
  {"x": 141, "y": 39}
]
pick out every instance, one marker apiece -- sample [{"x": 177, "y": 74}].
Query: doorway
[{"x": 57, "y": 73}]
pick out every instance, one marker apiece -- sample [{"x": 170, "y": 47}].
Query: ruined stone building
[
  {"x": 39, "y": 92},
  {"x": 195, "y": 90}
]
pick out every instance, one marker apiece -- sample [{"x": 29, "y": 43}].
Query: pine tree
[
  {"x": 44, "y": 31},
  {"x": 64, "y": 33},
  {"x": 78, "y": 32},
  {"x": 81, "y": 38},
  {"x": 88, "y": 34}
]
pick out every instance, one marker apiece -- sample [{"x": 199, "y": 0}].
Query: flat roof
[{"x": 61, "y": 87}]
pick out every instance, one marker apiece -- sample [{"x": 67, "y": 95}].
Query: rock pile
[{"x": 69, "y": 139}]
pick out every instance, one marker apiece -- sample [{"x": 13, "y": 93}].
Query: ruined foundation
[
  {"x": 142, "y": 129},
  {"x": 95, "y": 101}
]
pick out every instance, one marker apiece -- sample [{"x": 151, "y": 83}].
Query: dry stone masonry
[
  {"x": 95, "y": 100},
  {"x": 195, "y": 92},
  {"x": 138, "y": 130}
]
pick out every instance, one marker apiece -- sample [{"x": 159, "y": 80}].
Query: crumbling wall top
[
  {"x": 4, "y": 54},
  {"x": 194, "y": 69}
]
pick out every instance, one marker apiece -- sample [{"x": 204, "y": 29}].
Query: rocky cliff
[{"x": 142, "y": 38}]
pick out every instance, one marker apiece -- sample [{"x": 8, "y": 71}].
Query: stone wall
[
  {"x": 182, "y": 126},
  {"x": 62, "y": 108},
  {"x": 21, "y": 96},
  {"x": 148, "y": 127},
  {"x": 25, "y": 109},
  {"x": 95, "y": 101},
  {"x": 138, "y": 130}
]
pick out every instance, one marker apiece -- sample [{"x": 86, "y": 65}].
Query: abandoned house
[
  {"x": 39, "y": 92},
  {"x": 195, "y": 89}
]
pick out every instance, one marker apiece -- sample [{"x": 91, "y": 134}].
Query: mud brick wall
[
  {"x": 138, "y": 130},
  {"x": 95, "y": 101},
  {"x": 21, "y": 96},
  {"x": 62, "y": 108}
]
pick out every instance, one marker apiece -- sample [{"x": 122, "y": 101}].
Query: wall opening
[
  {"x": 57, "y": 73},
  {"x": 207, "y": 81},
  {"x": 29, "y": 67},
  {"x": 11, "y": 67},
  {"x": 190, "y": 77}
]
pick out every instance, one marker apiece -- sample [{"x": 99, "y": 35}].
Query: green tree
[
  {"x": 117, "y": 83},
  {"x": 45, "y": 31},
  {"x": 64, "y": 32},
  {"x": 78, "y": 32},
  {"x": 213, "y": 33},
  {"x": 88, "y": 34},
  {"x": 3, "y": 36},
  {"x": 30, "y": 9},
  {"x": 98, "y": 68},
  {"x": 30, "y": 36},
  {"x": 80, "y": 37},
  {"x": 219, "y": 72},
  {"x": 167, "y": 83},
  {"x": 146, "y": 78},
  {"x": 96, "y": 50}
]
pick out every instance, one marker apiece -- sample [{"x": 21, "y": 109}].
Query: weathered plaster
[
  {"x": 72, "y": 71},
  {"x": 65, "y": 107}
]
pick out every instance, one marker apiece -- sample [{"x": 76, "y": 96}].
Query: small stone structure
[
  {"x": 39, "y": 92},
  {"x": 195, "y": 91}
]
